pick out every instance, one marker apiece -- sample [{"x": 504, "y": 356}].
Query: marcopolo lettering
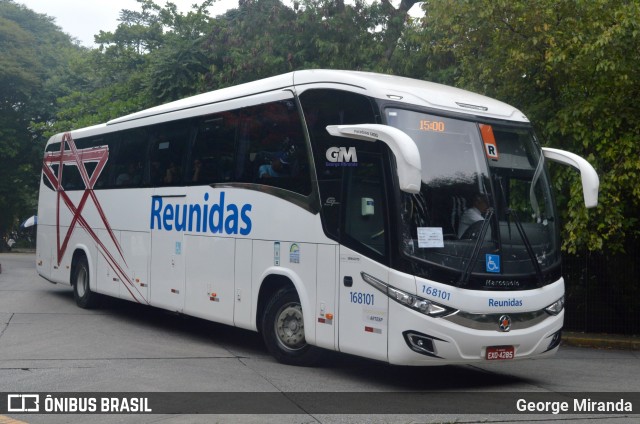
[{"x": 202, "y": 218}]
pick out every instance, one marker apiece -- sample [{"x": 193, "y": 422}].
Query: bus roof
[
  {"x": 399, "y": 89},
  {"x": 416, "y": 92}
]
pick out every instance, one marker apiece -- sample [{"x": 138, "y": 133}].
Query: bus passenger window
[
  {"x": 129, "y": 159},
  {"x": 71, "y": 179},
  {"x": 324, "y": 107},
  {"x": 272, "y": 148},
  {"x": 168, "y": 149},
  {"x": 213, "y": 150}
]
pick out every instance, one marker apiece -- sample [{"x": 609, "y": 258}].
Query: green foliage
[
  {"x": 571, "y": 66},
  {"x": 176, "y": 68},
  {"x": 32, "y": 56},
  {"x": 254, "y": 41},
  {"x": 265, "y": 38}
]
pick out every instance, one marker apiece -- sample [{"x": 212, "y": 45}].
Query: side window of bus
[
  {"x": 129, "y": 159},
  {"x": 104, "y": 144},
  {"x": 364, "y": 208},
  {"x": 168, "y": 149},
  {"x": 72, "y": 178},
  {"x": 271, "y": 148},
  {"x": 213, "y": 150},
  {"x": 53, "y": 168},
  {"x": 324, "y": 107}
]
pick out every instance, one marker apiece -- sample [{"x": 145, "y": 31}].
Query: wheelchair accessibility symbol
[{"x": 492, "y": 263}]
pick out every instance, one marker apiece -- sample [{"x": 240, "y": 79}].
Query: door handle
[{"x": 348, "y": 281}]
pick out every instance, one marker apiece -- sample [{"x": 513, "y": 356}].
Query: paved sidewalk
[{"x": 602, "y": 341}]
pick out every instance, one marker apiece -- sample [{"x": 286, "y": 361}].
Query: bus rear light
[{"x": 414, "y": 302}]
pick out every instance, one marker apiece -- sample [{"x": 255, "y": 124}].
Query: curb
[{"x": 601, "y": 341}]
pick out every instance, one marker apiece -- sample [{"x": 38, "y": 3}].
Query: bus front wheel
[
  {"x": 82, "y": 293},
  {"x": 283, "y": 330}
]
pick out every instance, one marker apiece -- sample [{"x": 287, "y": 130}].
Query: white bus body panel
[
  {"x": 106, "y": 281},
  {"x": 136, "y": 248},
  {"x": 326, "y": 311},
  {"x": 364, "y": 311},
  {"x": 242, "y": 316},
  {"x": 210, "y": 277}
]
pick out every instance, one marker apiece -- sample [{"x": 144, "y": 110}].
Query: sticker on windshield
[
  {"x": 490, "y": 146},
  {"x": 492, "y": 263},
  {"x": 430, "y": 237}
]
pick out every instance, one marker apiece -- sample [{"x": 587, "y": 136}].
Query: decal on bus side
[
  {"x": 70, "y": 155},
  {"x": 341, "y": 156},
  {"x": 214, "y": 218}
]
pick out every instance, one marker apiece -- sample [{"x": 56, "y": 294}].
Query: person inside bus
[
  {"x": 197, "y": 171},
  {"x": 130, "y": 177},
  {"x": 171, "y": 175},
  {"x": 475, "y": 213},
  {"x": 280, "y": 164}
]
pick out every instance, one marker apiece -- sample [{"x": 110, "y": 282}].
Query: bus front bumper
[{"x": 416, "y": 339}]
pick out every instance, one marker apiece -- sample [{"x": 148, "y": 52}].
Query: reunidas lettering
[
  {"x": 213, "y": 218},
  {"x": 496, "y": 303}
]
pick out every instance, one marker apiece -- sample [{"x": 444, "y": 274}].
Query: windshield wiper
[
  {"x": 527, "y": 246},
  {"x": 464, "y": 278}
]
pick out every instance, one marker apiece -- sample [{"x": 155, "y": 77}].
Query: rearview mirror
[
  {"x": 589, "y": 176},
  {"x": 403, "y": 147}
]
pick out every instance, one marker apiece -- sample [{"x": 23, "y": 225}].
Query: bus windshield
[{"x": 484, "y": 217}]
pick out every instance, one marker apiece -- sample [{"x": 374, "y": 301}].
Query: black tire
[
  {"x": 82, "y": 293},
  {"x": 283, "y": 330}
]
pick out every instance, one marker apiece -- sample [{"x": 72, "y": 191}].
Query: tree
[
  {"x": 265, "y": 38},
  {"x": 177, "y": 67},
  {"x": 32, "y": 55},
  {"x": 571, "y": 66}
]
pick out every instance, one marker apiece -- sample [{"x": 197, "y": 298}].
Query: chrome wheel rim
[
  {"x": 82, "y": 282},
  {"x": 289, "y": 327}
]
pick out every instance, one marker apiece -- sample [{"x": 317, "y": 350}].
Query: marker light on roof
[{"x": 474, "y": 107}]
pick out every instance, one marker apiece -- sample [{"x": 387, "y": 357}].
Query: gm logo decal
[{"x": 341, "y": 156}]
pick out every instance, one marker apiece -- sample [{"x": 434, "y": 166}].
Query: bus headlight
[
  {"x": 414, "y": 302},
  {"x": 556, "y": 307}
]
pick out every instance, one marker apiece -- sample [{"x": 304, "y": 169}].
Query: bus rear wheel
[
  {"x": 283, "y": 330},
  {"x": 82, "y": 293}
]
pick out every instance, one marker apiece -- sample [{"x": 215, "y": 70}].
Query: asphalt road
[{"x": 48, "y": 344}]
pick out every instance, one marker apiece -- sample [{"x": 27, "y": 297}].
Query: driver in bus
[{"x": 474, "y": 214}]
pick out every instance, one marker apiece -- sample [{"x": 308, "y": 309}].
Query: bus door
[
  {"x": 363, "y": 312},
  {"x": 167, "y": 284}
]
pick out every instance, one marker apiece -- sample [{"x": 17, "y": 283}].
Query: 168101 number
[
  {"x": 436, "y": 292},
  {"x": 362, "y": 298}
]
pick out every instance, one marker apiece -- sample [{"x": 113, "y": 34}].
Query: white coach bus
[{"x": 380, "y": 216}]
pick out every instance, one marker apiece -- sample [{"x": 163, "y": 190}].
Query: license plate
[{"x": 499, "y": 353}]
